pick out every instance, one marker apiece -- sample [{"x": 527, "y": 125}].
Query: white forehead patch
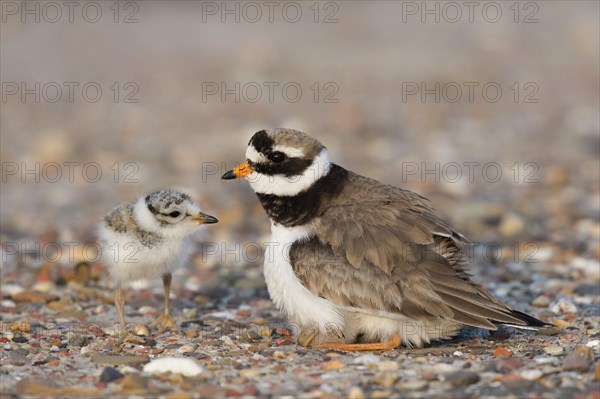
[
  {"x": 288, "y": 186},
  {"x": 254, "y": 155}
]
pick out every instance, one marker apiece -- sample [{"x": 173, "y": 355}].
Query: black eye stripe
[{"x": 292, "y": 167}]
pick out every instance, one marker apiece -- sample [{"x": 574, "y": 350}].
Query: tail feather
[{"x": 529, "y": 322}]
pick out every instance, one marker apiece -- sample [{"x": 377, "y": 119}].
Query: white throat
[{"x": 288, "y": 186}]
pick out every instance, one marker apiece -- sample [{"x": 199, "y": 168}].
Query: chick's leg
[
  {"x": 120, "y": 305},
  {"x": 165, "y": 319}
]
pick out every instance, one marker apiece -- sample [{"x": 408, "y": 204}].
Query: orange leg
[{"x": 376, "y": 346}]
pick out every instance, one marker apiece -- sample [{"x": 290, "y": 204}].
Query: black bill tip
[{"x": 228, "y": 175}]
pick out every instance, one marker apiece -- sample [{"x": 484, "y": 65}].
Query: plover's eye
[
  {"x": 174, "y": 214},
  {"x": 277, "y": 157}
]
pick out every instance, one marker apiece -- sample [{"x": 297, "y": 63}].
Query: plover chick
[
  {"x": 149, "y": 238},
  {"x": 356, "y": 264}
]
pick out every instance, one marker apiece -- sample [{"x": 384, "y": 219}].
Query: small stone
[
  {"x": 553, "y": 350},
  {"x": 541, "y": 301},
  {"x": 380, "y": 394},
  {"x": 187, "y": 348},
  {"x": 586, "y": 352},
  {"x": 502, "y": 352},
  {"x": 511, "y": 225},
  {"x": 462, "y": 378},
  {"x": 367, "y": 359},
  {"x": 412, "y": 385},
  {"x": 117, "y": 359},
  {"x": 141, "y": 330},
  {"x": 21, "y": 325},
  {"x": 19, "y": 339},
  {"x": 133, "y": 382},
  {"x": 7, "y": 303},
  {"x": 279, "y": 355},
  {"x": 563, "y": 305},
  {"x": 34, "y": 296},
  {"x": 333, "y": 365},
  {"x": 561, "y": 323},
  {"x": 249, "y": 373},
  {"x": 54, "y": 348},
  {"x": 17, "y": 359},
  {"x": 356, "y": 393},
  {"x": 388, "y": 365},
  {"x": 385, "y": 380},
  {"x": 545, "y": 359},
  {"x": 176, "y": 365},
  {"x": 78, "y": 340},
  {"x": 532, "y": 375},
  {"x": 575, "y": 362},
  {"x": 265, "y": 332},
  {"x": 110, "y": 374},
  {"x": 594, "y": 344}
]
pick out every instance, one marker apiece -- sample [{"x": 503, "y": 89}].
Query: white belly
[
  {"x": 128, "y": 260},
  {"x": 287, "y": 292}
]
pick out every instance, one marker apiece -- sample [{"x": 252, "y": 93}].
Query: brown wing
[{"x": 385, "y": 249}]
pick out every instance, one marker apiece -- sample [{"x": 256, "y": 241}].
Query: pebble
[
  {"x": 117, "y": 360},
  {"x": 533, "y": 375},
  {"x": 367, "y": 359},
  {"x": 545, "y": 359},
  {"x": 541, "y": 301},
  {"x": 34, "y": 296},
  {"x": 389, "y": 365},
  {"x": 333, "y": 365},
  {"x": 594, "y": 344},
  {"x": 187, "y": 348},
  {"x": 511, "y": 225},
  {"x": 356, "y": 393},
  {"x": 562, "y": 306},
  {"x": 21, "y": 325},
  {"x": 110, "y": 374},
  {"x": 502, "y": 352},
  {"x": 177, "y": 365},
  {"x": 575, "y": 362},
  {"x": 250, "y": 373},
  {"x": 462, "y": 378},
  {"x": 141, "y": 330},
  {"x": 412, "y": 385},
  {"x": 132, "y": 382},
  {"x": 553, "y": 350},
  {"x": 7, "y": 303}
]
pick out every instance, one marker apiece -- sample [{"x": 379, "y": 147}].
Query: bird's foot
[
  {"x": 312, "y": 336},
  {"x": 375, "y": 346},
  {"x": 164, "y": 321}
]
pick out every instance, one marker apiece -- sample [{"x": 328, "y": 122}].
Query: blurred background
[{"x": 491, "y": 111}]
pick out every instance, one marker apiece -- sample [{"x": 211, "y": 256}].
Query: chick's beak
[
  {"x": 242, "y": 170},
  {"x": 203, "y": 218}
]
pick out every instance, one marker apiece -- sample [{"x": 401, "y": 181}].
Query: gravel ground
[{"x": 535, "y": 227}]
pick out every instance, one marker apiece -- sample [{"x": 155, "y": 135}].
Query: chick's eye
[
  {"x": 277, "y": 157},
  {"x": 174, "y": 214}
]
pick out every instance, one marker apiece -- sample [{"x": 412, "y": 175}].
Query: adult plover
[
  {"x": 148, "y": 238},
  {"x": 356, "y": 264}
]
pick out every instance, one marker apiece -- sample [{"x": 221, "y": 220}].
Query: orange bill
[{"x": 240, "y": 171}]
